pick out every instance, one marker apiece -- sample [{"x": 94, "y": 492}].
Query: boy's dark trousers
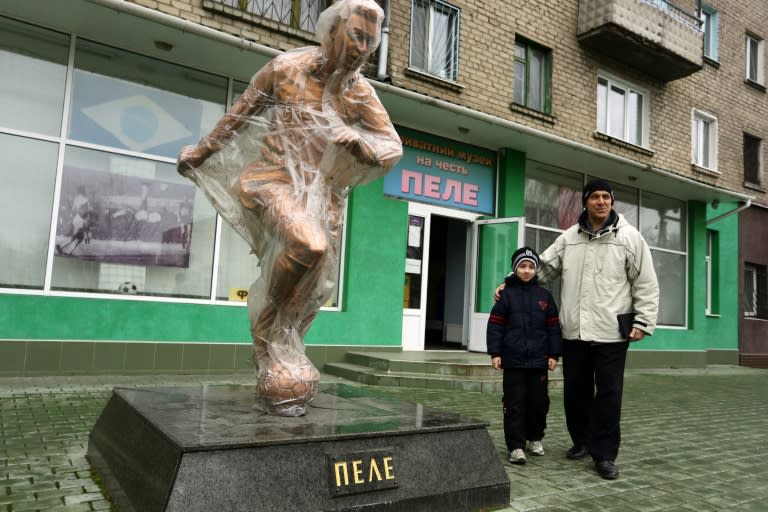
[
  {"x": 526, "y": 404},
  {"x": 593, "y": 378}
]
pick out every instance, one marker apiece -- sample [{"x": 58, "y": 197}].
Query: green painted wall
[
  {"x": 375, "y": 267},
  {"x": 706, "y": 332},
  {"x": 375, "y": 253},
  {"x": 511, "y": 202}
]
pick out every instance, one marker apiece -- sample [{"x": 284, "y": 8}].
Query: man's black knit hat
[
  {"x": 593, "y": 186},
  {"x": 525, "y": 254}
]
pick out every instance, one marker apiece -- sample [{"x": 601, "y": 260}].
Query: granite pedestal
[{"x": 208, "y": 448}]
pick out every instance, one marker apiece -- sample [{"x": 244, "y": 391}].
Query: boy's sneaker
[
  {"x": 517, "y": 456},
  {"x": 536, "y": 448}
]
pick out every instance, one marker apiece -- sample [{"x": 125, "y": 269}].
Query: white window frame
[
  {"x": 704, "y": 140},
  {"x": 710, "y": 24},
  {"x": 754, "y": 51},
  {"x": 603, "y": 120},
  {"x": 432, "y": 7}
]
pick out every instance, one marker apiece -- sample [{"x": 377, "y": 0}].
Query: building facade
[{"x": 114, "y": 263}]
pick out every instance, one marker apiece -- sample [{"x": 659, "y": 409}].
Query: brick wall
[{"x": 488, "y": 29}]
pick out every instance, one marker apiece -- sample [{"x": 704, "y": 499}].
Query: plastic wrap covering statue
[{"x": 278, "y": 167}]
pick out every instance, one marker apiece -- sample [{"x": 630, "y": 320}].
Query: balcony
[{"x": 654, "y": 36}]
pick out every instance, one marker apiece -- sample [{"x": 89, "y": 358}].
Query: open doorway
[{"x": 446, "y": 281}]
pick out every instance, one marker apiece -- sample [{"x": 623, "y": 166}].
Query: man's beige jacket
[{"x": 603, "y": 274}]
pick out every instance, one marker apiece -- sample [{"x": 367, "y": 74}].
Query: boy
[{"x": 523, "y": 339}]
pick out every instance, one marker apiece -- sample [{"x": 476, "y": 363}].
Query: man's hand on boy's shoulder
[{"x": 497, "y": 292}]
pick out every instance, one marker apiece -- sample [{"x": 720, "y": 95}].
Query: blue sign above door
[{"x": 443, "y": 172}]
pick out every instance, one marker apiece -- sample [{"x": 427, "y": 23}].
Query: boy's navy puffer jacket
[{"x": 524, "y": 328}]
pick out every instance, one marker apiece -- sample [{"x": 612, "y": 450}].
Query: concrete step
[
  {"x": 453, "y": 376},
  {"x": 458, "y": 363},
  {"x": 377, "y": 377}
]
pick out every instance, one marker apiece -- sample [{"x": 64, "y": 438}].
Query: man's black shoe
[
  {"x": 576, "y": 452},
  {"x": 607, "y": 469}
]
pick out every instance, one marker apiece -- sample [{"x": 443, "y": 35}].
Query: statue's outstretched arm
[{"x": 256, "y": 97}]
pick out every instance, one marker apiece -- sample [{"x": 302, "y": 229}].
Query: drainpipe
[
  {"x": 381, "y": 72},
  {"x": 185, "y": 26},
  {"x": 743, "y": 207}
]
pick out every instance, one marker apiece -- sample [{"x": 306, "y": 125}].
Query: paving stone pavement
[{"x": 693, "y": 440}]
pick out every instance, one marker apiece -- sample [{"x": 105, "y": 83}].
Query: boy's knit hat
[
  {"x": 593, "y": 186},
  {"x": 525, "y": 254}
]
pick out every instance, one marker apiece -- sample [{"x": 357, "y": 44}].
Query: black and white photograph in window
[{"x": 116, "y": 218}]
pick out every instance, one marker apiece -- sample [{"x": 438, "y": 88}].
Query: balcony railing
[
  {"x": 654, "y": 36},
  {"x": 298, "y": 14}
]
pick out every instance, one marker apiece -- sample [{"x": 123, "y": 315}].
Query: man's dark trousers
[{"x": 593, "y": 418}]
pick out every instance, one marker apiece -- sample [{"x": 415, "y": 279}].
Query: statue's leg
[{"x": 292, "y": 267}]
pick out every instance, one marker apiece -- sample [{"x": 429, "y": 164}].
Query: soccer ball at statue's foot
[
  {"x": 286, "y": 390},
  {"x": 127, "y": 287}
]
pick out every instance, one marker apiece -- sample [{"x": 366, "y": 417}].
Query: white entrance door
[
  {"x": 417, "y": 270},
  {"x": 493, "y": 242}
]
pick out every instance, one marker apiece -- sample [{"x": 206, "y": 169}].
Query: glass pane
[
  {"x": 28, "y": 175},
  {"x": 602, "y": 106},
  {"x": 552, "y": 197},
  {"x": 238, "y": 267},
  {"x": 33, "y": 67},
  {"x": 278, "y": 10},
  {"x": 705, "y": 143},
  {"x": 635, "y": 118},
  {"x": 662, "y": 222},
  {"x": 670, "y": 270},
  {"x": 414, "y": 254},
  {"x": 707, "y": 25},
  {"x": 752, "y": 58},
  {"x": 496, "y": 244},
  {"x": 752, "y": 150},
  {"x": 750, "y": 291},
  {"x": 130, "y": 220},
  {"x": 419, "y": 34},
  {"x": 520, "y": 79},
  {"x": 540, "y": 240},
  {"x": 440, "y": 46},
  {"x": 520, "y": 51},
  {"x": 698, "y": 134},
  {"x": 310, "y": 11},
  {"x": 536, "y": 97},
  {"x": 616, "y": 113},
  {"x": 127, "y": 101}
]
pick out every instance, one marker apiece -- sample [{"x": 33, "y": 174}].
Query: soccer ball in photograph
[{"x": 128, "y": 288}]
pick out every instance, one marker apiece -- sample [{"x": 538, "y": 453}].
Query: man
[
  {"x": 606, "y": 270},
  {"x": 278, "y": 167}
]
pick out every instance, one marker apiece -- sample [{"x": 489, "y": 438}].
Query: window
[
  {"x": 435, "y": 39},
  {"x": 704, "y": 140},
  {"x": 753, "y": 159},
  {"x": 755, "y": 294},
  {"x": 712, "y": 268},
  {"x": 621, "y": 111},
  {"x": 710, "y": 21},
  {"x": 663, "y": 225},
  {"x": 754, "y": 59},
  {"x": 300, "y": 14},
  {"x": 533, "y": 72}
]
